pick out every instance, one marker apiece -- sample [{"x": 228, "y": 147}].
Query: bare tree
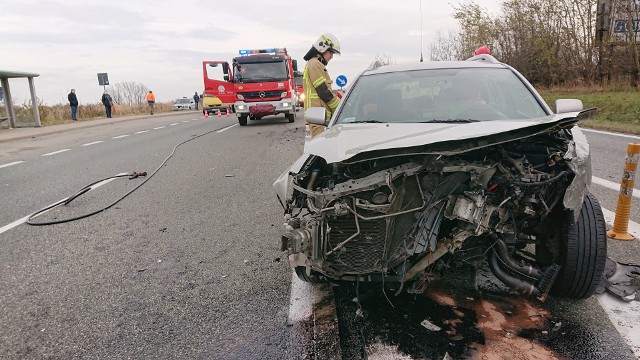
[
  {"x": 128, "y": 92},
  {"x": 549, "y": 41},
  {"x": 384, "y": 59},
  {"x": 446, "y": 47},
  {"x": 629, "y": 11}
]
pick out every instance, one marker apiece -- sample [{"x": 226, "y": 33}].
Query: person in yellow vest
[
  {"x": 316, "y": 79},
  {"x": 151, "y": 99}
]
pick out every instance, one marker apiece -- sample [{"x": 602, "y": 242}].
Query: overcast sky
[{"x": 162, "y": 43}]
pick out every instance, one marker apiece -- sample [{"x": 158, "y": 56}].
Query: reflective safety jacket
[
  {"x": 317, "y": 90},
  {"x": 151, "y": 97}
]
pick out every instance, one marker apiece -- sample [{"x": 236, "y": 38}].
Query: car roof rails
[
  {"x": 484, "y": 57},
  {"x": 374, "y": 65}
]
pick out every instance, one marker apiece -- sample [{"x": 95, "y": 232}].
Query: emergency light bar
[{"x": 264, "y": 51}]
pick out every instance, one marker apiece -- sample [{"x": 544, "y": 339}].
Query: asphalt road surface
[{"x": 188, "y": 265}]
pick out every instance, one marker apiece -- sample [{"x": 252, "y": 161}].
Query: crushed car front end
[{"x": 397, "y": 202}]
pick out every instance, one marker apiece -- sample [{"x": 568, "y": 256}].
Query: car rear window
[{"x": 479, "y": 94}]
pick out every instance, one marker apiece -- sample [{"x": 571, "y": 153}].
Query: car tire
[
  {"x": 301, "y": 272},
  {"x": 242, "y": 120},
  {"x": 583, "y": 252},
  {"x": 291, "y": 116}
]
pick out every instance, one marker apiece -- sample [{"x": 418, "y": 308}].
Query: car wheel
[
  {"x": 242, "y": 120},
  {"x": 301, "y": 271},
  {"x": 583, "y": 252},
  {"x": 291, "y": 117}
]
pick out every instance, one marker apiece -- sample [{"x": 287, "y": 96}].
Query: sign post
[
  {"x": 103, "y": 79},
  {"x": 341, "y": 81}
]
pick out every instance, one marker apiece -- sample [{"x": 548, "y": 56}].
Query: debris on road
[
  {"x": 618, "y": 280},
  {"x": 430, "y": 326}
]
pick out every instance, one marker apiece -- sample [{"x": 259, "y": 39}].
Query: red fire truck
[
  {"x": 263, "y": 84},
  {"x": 218, "y": 95}
]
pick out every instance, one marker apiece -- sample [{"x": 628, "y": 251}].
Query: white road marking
[
  {"x": 119, "y": 137},
  {"x": 624, "y": 316},
  {"x": 305, "y": 303},
  {"x": 227, "y": 128},
  {"x": 92, "y": 143},
  {"x": 613, "y": 186},
  {"x": 22, "y": 220},
  {"x": 184, "y": 121},
  {"x": 13, "y": 224},
  {"x": 301, "y": 300},
  {"x": 159, "y": 127},
  {"x": 174, "y": 124},
  {"x": 141, "y": 131},
  {"x": 56, "y": 152},
  {"x": 611, "y": 133},
  {"x": 10, "y": 164}
]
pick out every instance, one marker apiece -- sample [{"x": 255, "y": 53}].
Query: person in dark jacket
[
  {"x": 108, "y": 103},
  {"x": 73, "y": 102},
  {"x": 196, "y": 98}
]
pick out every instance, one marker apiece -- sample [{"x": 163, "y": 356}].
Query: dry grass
[
  {"x": 618, "y": 110},
  {"x": 61, "y": 113}
]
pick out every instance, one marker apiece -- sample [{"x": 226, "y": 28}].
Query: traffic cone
[
  {"x": 219, "y": 113},
  {"x": 228, "y": 112},
  {"x": 206, "y": 114}
]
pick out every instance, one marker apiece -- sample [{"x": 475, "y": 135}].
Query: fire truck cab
[{"x": 264, "y": 84}]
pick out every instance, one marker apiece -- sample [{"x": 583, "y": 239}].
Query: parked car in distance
[{"x": 184, "y": 104}]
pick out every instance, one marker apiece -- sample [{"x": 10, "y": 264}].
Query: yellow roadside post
[{"x": 623, "y": 209}]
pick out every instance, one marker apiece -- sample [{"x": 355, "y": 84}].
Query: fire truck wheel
[
  {"x": 242, "y": 120},
  {"x": 291, "y": 116}
]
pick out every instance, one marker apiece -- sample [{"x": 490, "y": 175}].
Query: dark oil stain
[
  {"x": 400, "y": 326},
  {"x": 474, "y": 324}
]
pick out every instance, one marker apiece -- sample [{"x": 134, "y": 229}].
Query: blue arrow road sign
[{"x": 341, "y": 80}]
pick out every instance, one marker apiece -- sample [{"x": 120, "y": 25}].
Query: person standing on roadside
[
  {"x": 316, "y": 79},
  {"x": 107, "y": 101},
  {"x": 196, "y": 98},
  {"x": 151, "y": 99},
  {"x": 73, "y": 103}
]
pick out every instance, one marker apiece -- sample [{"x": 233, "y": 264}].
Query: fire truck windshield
[{"x": 260, "y": 71}]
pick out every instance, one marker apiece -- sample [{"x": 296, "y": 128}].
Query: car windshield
[
  {"x": 182, "y": 101},
  {"x": 440, "y": 96},
  {"x": 261, "y": 71}
]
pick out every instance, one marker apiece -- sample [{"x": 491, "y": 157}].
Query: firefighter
[{"x": 316, "y": 79}]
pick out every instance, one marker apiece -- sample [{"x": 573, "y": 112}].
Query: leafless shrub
[{"x": 128, "y": 92}]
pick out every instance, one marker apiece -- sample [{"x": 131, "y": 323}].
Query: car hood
[{"x": 357, "y": 142}]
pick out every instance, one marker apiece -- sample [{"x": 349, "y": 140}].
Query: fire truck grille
[{"x": 255, "y": 95}]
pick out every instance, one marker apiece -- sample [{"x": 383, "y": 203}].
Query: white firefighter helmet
[{"x": 327, "y": 42}]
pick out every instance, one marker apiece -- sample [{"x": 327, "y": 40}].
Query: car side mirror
[
  {"x": 294, "y": 64},
  {"x": 568, "y": 105},
  {"x": 316, "y": 115}
]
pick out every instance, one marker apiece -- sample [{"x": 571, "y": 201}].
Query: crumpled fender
[{"x": 283, "y": 184}]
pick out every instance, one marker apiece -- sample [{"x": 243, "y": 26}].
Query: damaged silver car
[{"x": 429, "y": 165}]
